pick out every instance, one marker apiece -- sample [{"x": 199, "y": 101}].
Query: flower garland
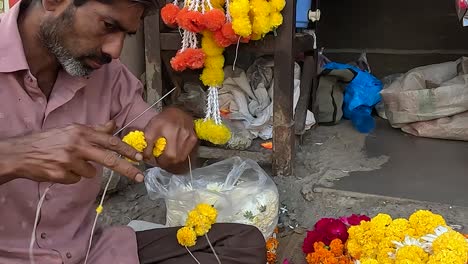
[
  {"x": 272, "y": 246},
  {"x": 198, "y": 223},
  {"x": 240, "y": 20}
]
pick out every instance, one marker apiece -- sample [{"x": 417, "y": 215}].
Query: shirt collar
[{"x": 12, "y": 56}]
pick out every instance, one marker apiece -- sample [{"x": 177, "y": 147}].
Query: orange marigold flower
[
  {"x": 272, "y": 244},
  {"x": 271, "y": 257}
]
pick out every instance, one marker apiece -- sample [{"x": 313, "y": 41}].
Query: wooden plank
[
  {"x": 283, "y": 123},
  {"x": 303, "y": 43},
  {"x": 220, "y": 153},
  {"x": 153, "y": 59},
  {"x": 309, "y": 73}
]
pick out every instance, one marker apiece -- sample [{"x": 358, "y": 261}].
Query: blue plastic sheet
[{"x": 360, "y": 97}]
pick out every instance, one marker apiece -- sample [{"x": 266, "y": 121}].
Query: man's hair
[{"x": 150, "y": 5}]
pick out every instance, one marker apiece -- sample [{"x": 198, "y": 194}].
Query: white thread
[
  {"x": 212, "y": 248},
  {"x": 209, "y": 4},
  {"x": 192, "y": 255},
  {"x": 217, "y": 117},
  {"x": 146, "y": 110},
  {"x": 203, "y": 7},
  {"x": 228, "y": 14},
  {"x": 36, "y": 222},
  {"x": 237, "y": 53},
  {"x": 97, "y": 215},
  {"x": 112, "y": 173}
]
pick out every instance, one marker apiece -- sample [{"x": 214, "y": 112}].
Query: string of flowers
[
  {"x": 239, "y": 21},
  {"x": 272, "y": 244},
  {"x": 198, "y": 223}
]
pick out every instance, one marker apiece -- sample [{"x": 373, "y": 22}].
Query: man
[{"x": 63, "y": 93}]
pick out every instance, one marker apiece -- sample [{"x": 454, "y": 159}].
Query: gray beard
[{"x": 49, "y": 34}]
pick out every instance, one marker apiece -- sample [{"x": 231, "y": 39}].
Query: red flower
[
  {"x": 335, "y": 229},
  {"x": 354, "y": 219},
  {"x": 190, "y": 20},
  {"x": 221, "y": 40},
  {"x": 188, "y": 58},
  {"x": 312, "y": 237},
  {"x": 323, "y": 224},
  {"x": 229, "y": 33},
  {"x": 169, "y": 14},
  {"x": 214, "y": 19}
]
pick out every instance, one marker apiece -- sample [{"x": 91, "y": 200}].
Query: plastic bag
[
  {"x": 361, "y": 95},
  {"x": 238, "y": 188}
]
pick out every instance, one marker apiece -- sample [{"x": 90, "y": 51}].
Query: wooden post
[
  {"x": 153, "y": 59},
  {"x": 283, "y": 133}
]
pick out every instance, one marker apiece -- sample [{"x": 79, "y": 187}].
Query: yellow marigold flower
[
  {"x": 278, "y": 5},
  {"x": 209, "y": 211},
  {"x": 411, "y": 254},
  {"x": 381, "y": 220},
  {"x": 136, "y": 139},
  {"x": 424, "y": 222},
  {"x": 239, "y": 10},
  {"x": 446, "y": 257},
  {"x": 354, "y": 248},
  {"x": 200, "y": 223},
  {"x": 213, "y": 77},
  {"x": 369, "y": 261},
  {"x": 276, "y": 19},
  {"x": 186, "y": 236},
  {"x": 214, "y": 62},
  {"x": 453, "y": 241},
  {"x": 399, "y": 228},
  {"x": 210, "y": 131},
  {"x": 159, "y": 147},
  {"x": 209, "y": 45}
]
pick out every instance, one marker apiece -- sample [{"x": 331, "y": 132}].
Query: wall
[
  {"x": 398, "y": 34},
  {"x": 133, "y": 54}
]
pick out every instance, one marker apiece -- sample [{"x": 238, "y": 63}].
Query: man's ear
[{"x": 55, "y": 5}]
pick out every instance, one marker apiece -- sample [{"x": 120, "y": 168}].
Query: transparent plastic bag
[{"x": 238, "y": 188}]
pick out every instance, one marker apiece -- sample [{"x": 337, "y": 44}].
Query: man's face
[{"x": 86, "y": 37}]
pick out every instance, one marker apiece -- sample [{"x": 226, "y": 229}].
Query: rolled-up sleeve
[{"x": 129, "y": 102}]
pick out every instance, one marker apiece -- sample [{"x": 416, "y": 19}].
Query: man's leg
[{"x": 234, "y": 244}]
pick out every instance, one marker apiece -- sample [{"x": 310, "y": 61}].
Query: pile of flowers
[{"x": 424, "y": 237}]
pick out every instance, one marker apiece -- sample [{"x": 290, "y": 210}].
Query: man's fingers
[
  {"x": 107, "y": 128},
  {"x": 115, "y": 144},
  {"x": 112, "y": 161},
  {"x": 83, "y": 169},
  {"x": 150, "y": 137}
]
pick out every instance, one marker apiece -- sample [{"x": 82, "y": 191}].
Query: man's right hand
[{"x": 65, "y": 155}]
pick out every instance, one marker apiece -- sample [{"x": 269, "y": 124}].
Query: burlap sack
[{"x": 430, "y": 101}]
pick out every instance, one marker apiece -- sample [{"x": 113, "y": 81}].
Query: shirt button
[
  {"x": 47, "y": 197},
  {"x": 43, "y": 235},
  {"x": 69, "y": 255}
]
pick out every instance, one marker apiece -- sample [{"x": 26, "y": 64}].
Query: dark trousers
[{"x": 233, "y": 243}]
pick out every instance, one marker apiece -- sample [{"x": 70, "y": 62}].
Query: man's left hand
[{"x": 177, "y": 127}]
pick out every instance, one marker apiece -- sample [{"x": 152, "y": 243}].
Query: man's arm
[{"x": 7, "y": 166}]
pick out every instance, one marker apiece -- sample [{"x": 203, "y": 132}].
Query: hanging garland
[{"x": 221, "y": 23}]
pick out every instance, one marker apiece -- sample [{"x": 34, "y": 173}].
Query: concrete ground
[{"x": 327, "y": 155}]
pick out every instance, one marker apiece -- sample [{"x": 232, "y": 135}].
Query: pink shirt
[{"x": 111, "y": 92}]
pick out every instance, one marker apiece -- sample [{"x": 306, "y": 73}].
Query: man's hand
[
  {"x": 177, "y": 127},
  {"x": 64, "y": 155}
]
